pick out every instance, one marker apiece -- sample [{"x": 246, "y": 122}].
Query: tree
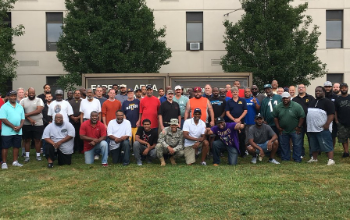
[
  {"x": 272, "y": 40},
  {"x": 111, "y": 36},
  {"x": 8, "y": 63}
]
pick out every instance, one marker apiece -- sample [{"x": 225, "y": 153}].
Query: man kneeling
[
  {"x": 170, "y": 142},
  {"x": 93, "y": 132},
  {"x": 262, "y": 139},
  {"x": 59, "y": 137}
]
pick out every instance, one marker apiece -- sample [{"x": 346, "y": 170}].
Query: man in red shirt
[
  {"x": 240, "y": 91},
  {"x": 93, "y": 133},
  {"x": 149, "y": 107}
]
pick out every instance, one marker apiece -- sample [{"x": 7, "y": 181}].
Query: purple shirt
[{"x": 228, "y": 135}]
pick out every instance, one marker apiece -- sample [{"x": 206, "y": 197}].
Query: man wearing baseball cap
[
  {"x": 168, "y": 110},
  {"x": 149, "y": 107},
  {"x": 61, "y": 106},
  {"x": 342, "y": 109},
  {"x": 122, "y": 96},
  {"x": 182, "y": 101},
  {"x": 328, "y": 86}
]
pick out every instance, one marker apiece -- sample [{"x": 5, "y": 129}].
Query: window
[
  {"x": 51, "y": 80},
  {"x": 334, "y": 22},
  {"x": 335, "y": 77},
  {"x": 194, "y": 29},
  {"x": 54, "y": 22}
]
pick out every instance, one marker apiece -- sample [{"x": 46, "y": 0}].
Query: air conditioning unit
[{"x": 195, "y": 46}]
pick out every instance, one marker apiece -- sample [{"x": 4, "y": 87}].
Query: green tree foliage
[
  {"x": 8, "y": 63},
  {"x": 273, "y": 40},
  {"x": 111, "y": 36}
]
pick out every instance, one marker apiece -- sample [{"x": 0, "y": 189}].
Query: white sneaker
[
  {"x": 204, "y": 163},
  {"x": 312, "y": 160},
  {"x": 4, "y": 166},
  {"x": 330, "y": 162},
  {"x": 97, "y": 157},
  {"x": 253, "y": 161},
  {"x": 16, "y": 164},
  {"x": 274, "y": 161}
]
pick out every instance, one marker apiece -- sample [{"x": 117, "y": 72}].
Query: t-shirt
[
  {"x": 317, "y": 114},
  {"x": 266, "y": 108},
  {"x": 87, "y": 107},
  {"x": 236, "y": 109},
  {"x": 57, "y": 133},
  {"x": 194, "y": 130},
  {"x": 162, "y": 99},
  {"x": 131, "y": 111},
  {"x": 102, "y": 100},
  {"x": 219, "y": 105},
  {"x": 14, "y": 115},
  {"x": 63, "y": 107},
  {"x": 109, "y": 108},
  {"x": 240, "y": 93},
  {"x": 228, "y": 135},
  {"x": 30, "y": 106},
  {"x": 182, "y": 101},
  {"x": 249, "y": 119},
  {"x": 149, "y": 107},
  {"x": 260, "y": 135},
  {"x": 121, "y": 98},
  {"x": 288, "y": 116},
  {"x": 150, "y": 136},
  {"x": 168, "y": 111},
  {"x": 97, "y": 131},
  {"x": 118, "y": 130},
  {"x": 342, "y": 107},
  {"x": 75, "y": 106}
]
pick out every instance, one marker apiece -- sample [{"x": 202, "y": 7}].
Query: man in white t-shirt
[
  {"x": 60, "y": 106},
  {"x": 194, "y": 136},
  {"x": 89, "y": 105},
  {"x": 119, "y": 131}
]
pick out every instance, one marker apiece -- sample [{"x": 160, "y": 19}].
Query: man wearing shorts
[{"x": 342, "y": 109}]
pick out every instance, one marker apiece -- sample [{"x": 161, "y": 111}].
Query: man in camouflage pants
[{"x": 170, "y": 142}]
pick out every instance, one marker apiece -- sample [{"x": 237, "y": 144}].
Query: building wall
[{"x": 36, "y": 63}]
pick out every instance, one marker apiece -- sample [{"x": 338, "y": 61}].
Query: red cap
[{"x": 197, "y": 89}]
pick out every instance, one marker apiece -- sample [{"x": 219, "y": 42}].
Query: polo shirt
[
  {"x": 236, "y": 109},
  {"x": 97, "y": 131},
  {"x": 87, "y": 107},
  {"x": 14, "y": 115},
  {"x": 168, "y": 111},
  {"x": 304, "y": 102},
  {"x": 288, "y": 116},
  {"x": 249, "y": 119},
  {"x": 121, "y": 97},
  {"x": 57, "y": 133},
  {"x": 1, "y": 103},
  {"x": 118, "y": 130},
  {"x": 194, "y": 130},
  {"x": 182, "y": 101}
]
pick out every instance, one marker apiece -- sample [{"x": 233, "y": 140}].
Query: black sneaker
[
  {"x": 345, "y": 155},
  {"x": 50, "y": 165}
]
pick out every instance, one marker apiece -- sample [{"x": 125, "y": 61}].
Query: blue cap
[
  {"x": 197, "y": 110},
  {"x": 129, "y": 90}
]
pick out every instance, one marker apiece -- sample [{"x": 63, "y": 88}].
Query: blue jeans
[
  {"x": 285, "y": 146},
  {"x": 321, "y": 141},
  {"x": 219, "y": 146},
  {"x": 89, "y": 155},
  {"x": 118, "y": 156},
  {"x": 303, "y": 132},
  {"x": 138, "y": 150}
]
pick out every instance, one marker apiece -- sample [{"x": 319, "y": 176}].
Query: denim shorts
[
  {"x": 11, "y": 141},
  {"x": 263, "y": 146},
  {"x": 321, "y": 141}
]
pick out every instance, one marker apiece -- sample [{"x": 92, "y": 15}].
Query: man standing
[
  {"x": 194, "y": 136},
  {"x": 60, "y": 106},
  {"x": 274, "y": 86},
  {"x": 280, "y": 90},
  {"x": 131, "y": 110},
  {"x": 104, "y": 92},
  {"x": 253, "y": 107},
  {"x": 33, "y": 127},
  {"x": 168, "y": 110},
  {"x": 289, "y": 118},
  {"x": 115, "y": 87},
  {"x": 208, "y": 91},
  {"x": 222, "y": 93},
  {"x": 202, "y": 103},
  {"x": 182, "y": 101},
  {"x": 59, "y": 141},
  {"x": 342, "y": 110},
  {"x": 319, "y": 125},
  {"x": 336, "y": 89},
  {"x": 75, "y": 120},
  {"x": 262, "y": 139},
  {"x": 122, "y": 96},
  {"x": 331, "y": 96},
  {"x": 93, "y": 132},
  {"x": 237, "y": 84},
  {"x": 47, "y": 90},
  {"x": 228, "y": 140},
  {"x": 170, "y": 142},
  {"x": 218, "y": 104},
  {"x": 99, "y": 96},
  {"x": 146, "y": 140},
  {"x": 69, "y": 96},
  {"x": 89, "y": 105},
  {"x": 110, "y": 107},
  {"x": 161, "y": 93},
  {"x": 12, "y": 117},
  {"x": 164, "y": 97},
  {"x": 291, "y": 91},
  {"x": 149, "y": 107},
  {"x": 138, "y": 94},
  {"x": 143, "y": 91},
  {"x": 20, "y": 94},
  {"x": 119, "y": 131},
  {"x": 228, "y": 90}
]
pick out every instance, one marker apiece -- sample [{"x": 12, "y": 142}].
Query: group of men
[{"x": 239, "y": 121}]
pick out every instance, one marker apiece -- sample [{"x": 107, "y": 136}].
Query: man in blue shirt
[
  {"x": 12, "y": 117},
  {"x": 253, "y": 108}
]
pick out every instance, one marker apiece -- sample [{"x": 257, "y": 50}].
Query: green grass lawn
[{"x": 245, "y": 191}]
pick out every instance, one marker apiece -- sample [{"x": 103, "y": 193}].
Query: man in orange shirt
[{"x": 110, "y": 107}]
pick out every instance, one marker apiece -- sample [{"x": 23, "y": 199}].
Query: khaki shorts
[{"x": 190, "y": 154}]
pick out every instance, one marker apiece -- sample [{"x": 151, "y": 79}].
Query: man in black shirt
[
  {"x": 75, "y": 121},
  {"x": 47, "y": 90},
  {"x": 168, "y": 110},
  {"x": 146, "y": 140},
  {"x": 342, "y": 109},
  {"x": 331, "y": 96},
  {"x": 218, "y": 104}
]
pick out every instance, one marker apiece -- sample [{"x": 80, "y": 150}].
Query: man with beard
[
  {"x": 182, "y": 101},
  {"x": 82, "y": 93},
  {"x": 262, "y": 139},
  {"x": 164, "y": 97},
  {"x": 274, "y": 86},
  {"x": 319, "y": 125},
  {"x": 253, "y": 107},
  {"x": 228, "y": 140},
  {"x": 104, "y": 92},
  {"x": 60, "y": 106},
  {"x": 33, "y": 125},
  {"x": 138, "y": 94},
  {"x": 47, "y": 90},
  {"x": 331, "y": 96},
  {"x": 75, "y": 120},
  {"x": 12, "y": 117},
  {"x": 218, "y": 104},
  {"x": 161, "y": 93},
  {"x": 119, "y": 132},
  {"x": 59, "y": 139},
  {"x": 122, "y": 96},
  {"x": 143, "y": 91},
  {"x": 237, "y": 84},
  {"x": 256, "y": 94},
  {"x": 149, "y": 107},
  {"x": 342, "y": 109},
  {"x": 89, "y": 105},
  {"x": 69, "y": 96},
  {"x": 93, "y": 133},
  {"x": 222, "y": 93},
  {"x": 336, "y": 89}
]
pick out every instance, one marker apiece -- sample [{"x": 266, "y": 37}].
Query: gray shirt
[
  {"x": 260, "y": 135},
  {"x": 57, "y": 133},
  {"x": 121, "y": 97},
  {"x": 30, "y": 106}
]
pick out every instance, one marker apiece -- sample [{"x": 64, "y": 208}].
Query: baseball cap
[
  {"x": 170, "y": 91},
  {"x": 197, "y": 110},
  {"x": 149, "y": 87},
  {"x": 219, "y": 120},
  {"x": 12, "y": 92},
  {"x": 285, "y": 95},
  {"x": 343, "y": 85},
  {"x": 173, "y": 121},
  {"x": 122, "y": 85},
  {"x": 178, "y": 87},
  {"x": 267, "y": 86},
  {"x": 197, "y": 89},
  {"x": 259, "y": 116},
  {"x": 129, "y": 90},
  {"x": 327, "y": 84},
  {"x": 138, "y": 90},
  {"x": 59, "y": 92}
]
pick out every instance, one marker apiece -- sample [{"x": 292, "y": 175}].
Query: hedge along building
[{"x": 199, "y": 22}]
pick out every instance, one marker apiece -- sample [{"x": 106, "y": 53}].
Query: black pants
[
  {"x": 241, "y": 139},
  {"x": 61, "y": 157},
  {"x": 78, "y": 143}
]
